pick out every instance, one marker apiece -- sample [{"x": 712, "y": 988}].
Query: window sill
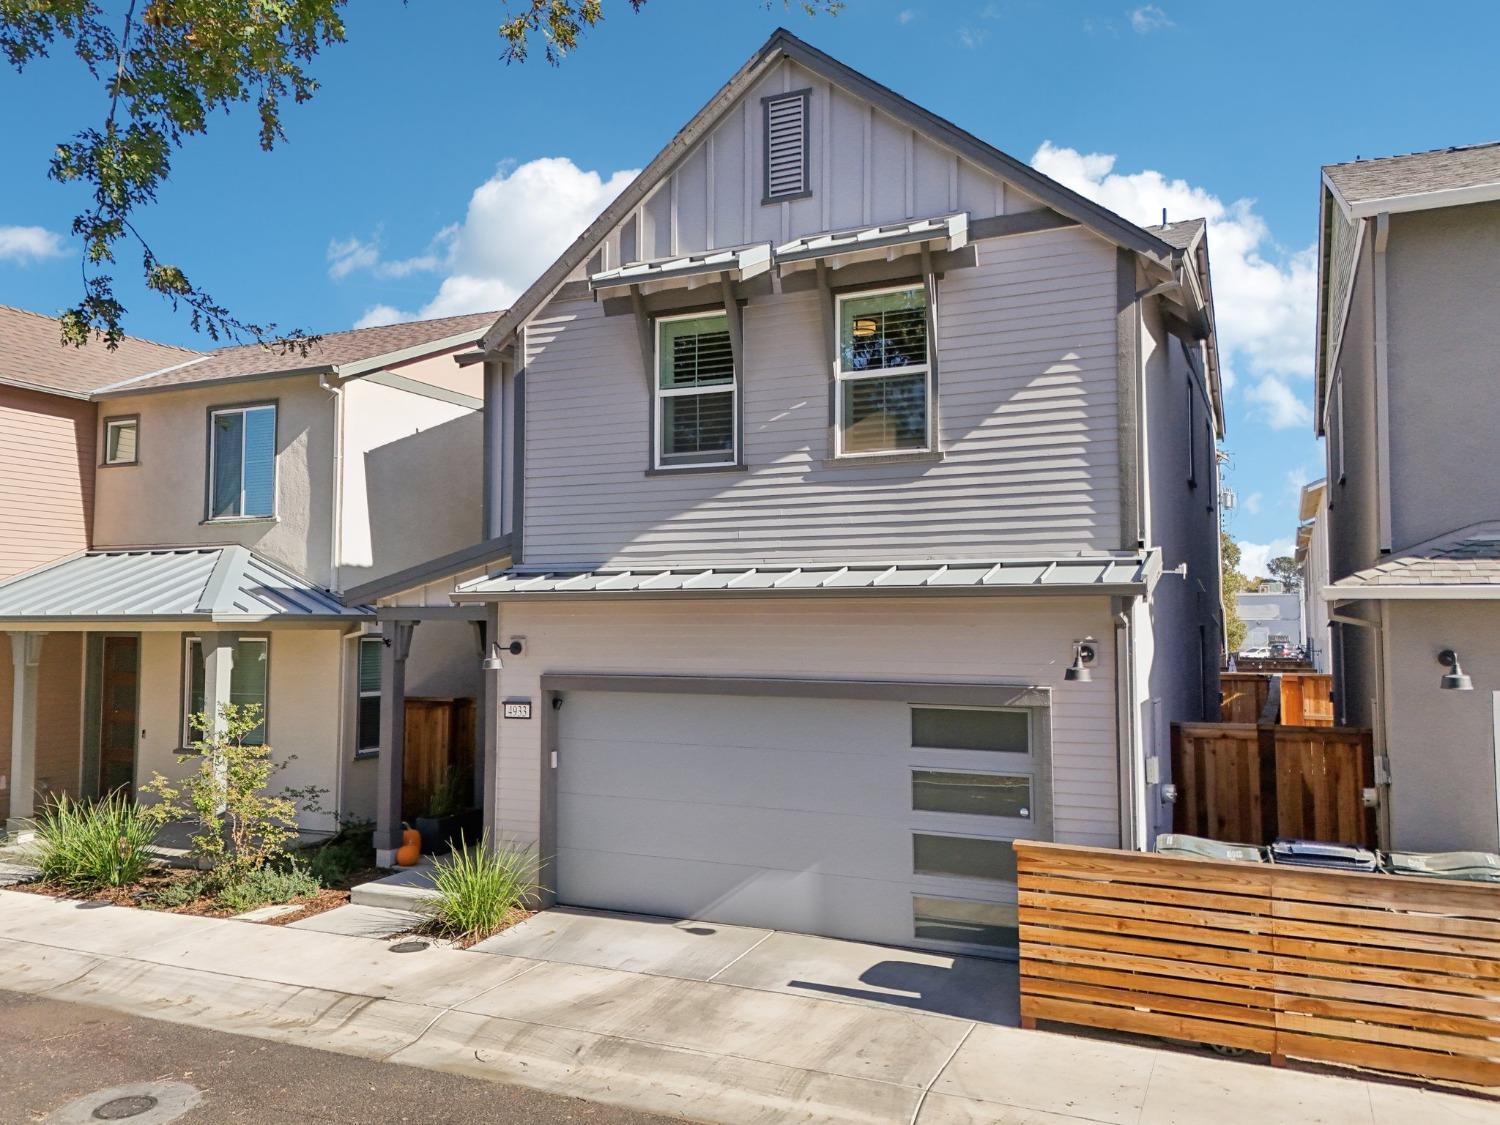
[
  {"x": 118, "y": 464},
  {"x": 922, "y": 457},
  {"x": 366, "y": 755},
  {"x": 687, "y": 470},
  {"x": 214, "y": 520}
]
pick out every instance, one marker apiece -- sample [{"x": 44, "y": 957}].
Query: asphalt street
[{"x": 57, "y": 1053}]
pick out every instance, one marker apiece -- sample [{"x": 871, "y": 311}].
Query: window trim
[
  {"x": 659, "y": 394},
  {"x": 766, "y": 198},
  {"x": 184, "y": 731},
  {"x": 274, "y": 405},
  {"x": 115, "y": 420},
  {"x": 1192, "y": 474},
  {"x": 364, "y": 752},
  {"x": 841, "y": 377}
]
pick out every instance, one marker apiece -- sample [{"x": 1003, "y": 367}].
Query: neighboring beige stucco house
[
  {"x": 1312, "y": 556},
  {"x": 1409, "y": 335},
  {"x": 226, "y": 502},
  {"x": 859, "y": 494}
]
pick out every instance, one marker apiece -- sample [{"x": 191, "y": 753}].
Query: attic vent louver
[{"x": 786, "y": 146}]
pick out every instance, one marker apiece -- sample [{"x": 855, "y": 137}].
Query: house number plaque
[{"x": 517, "y": 708}]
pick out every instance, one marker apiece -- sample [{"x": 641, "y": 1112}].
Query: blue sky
[{"x": 403, "y": 187}]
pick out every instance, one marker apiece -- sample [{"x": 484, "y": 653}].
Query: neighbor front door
[{"x": 117, "y": 719}]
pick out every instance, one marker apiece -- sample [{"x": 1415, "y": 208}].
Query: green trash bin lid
[{"x": 1175, "y": 844}]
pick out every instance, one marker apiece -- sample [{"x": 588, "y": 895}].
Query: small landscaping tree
[{"x": 241, "y": 825}]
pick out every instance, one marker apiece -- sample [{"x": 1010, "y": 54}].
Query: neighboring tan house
[
  {"x": 226, "y": 501},
  {"x": 1409, "y": 354},
  {"x": 1312, "y": 556},
  {"x": 860, "y": 501}
]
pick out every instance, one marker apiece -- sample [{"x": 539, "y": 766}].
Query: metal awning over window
[
  {"x": 736, "y": 264},
  {"x": 943, "y": 233},
  {"x": 209, "y": 584},
  {"x": 1084, "y": 574}
]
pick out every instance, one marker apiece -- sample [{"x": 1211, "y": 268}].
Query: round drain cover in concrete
[
  {"x": 409, "y": 947},
  {"x": 140, "y": 1103}
]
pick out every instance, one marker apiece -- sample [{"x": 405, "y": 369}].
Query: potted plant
[{"x": 443, "y": 813}]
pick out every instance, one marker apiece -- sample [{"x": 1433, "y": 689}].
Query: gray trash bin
[{"x": 1319, "y": 853}]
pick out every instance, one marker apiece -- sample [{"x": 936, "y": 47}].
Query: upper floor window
[
  {"x": 786, "y": 146},
  {"x": 242, "y": 462},
  {"x": 884, "y": 373},
  {"x": 120, "y": 440},
  {"x": 696, "y": 398}
]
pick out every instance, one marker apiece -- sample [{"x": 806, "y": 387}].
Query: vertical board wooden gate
[{"x": 1250, "y": 784}]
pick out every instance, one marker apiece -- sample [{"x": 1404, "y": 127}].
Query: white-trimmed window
[
  {"x": 121, "y": 440},
  {"x": 367, "y": 725},
  {"x": 884, "y": 373},
  {"x": 697, "y": 403},
  {"x": 242, "y": 462},
  {"x": 249, "y": 682}
]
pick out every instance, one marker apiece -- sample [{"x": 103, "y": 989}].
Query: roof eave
[{"x": 1452, "y": 592}]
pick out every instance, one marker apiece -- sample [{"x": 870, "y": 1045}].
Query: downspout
[{"x": 1125, "y": 728}]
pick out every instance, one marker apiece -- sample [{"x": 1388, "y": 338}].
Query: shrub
[
  {"x": 353, "y": 849},
  {"x": 240, "y": 826},
  {"x": 87, "y": 845},
  {"x": 478, "y": 887},
  {"x": 266, "y": 886},
  {"x": 177, "y": 893}
]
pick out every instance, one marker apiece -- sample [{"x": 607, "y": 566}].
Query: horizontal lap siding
[
  {"x": 1027, "y": 373},
  {"x": 46, "y": 478},
  {"x": 1023, "y": 641}
]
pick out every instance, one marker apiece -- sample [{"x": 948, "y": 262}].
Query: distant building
[
  {"x": 1312, "y": 556},
  {"x": 1271, "y": 615}
]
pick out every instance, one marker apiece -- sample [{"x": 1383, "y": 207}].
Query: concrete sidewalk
[{"x": 702, "y": 1050}]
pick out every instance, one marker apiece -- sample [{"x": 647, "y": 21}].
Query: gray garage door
[{"x": 877, "y": 821}]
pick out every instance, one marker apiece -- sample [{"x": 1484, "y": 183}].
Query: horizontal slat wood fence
[
  {"x": 1379, "y": 971},
  {"x": 1252, "y": 784},
  {"x": 1271, "y": 664}
]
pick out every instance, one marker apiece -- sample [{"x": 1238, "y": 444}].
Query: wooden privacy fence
[
  {"x": 1305, "y": 698},
  {"x": 1393, "y": 973},
  {"x": 439, "y": 741},
  {"x": 1252, "y": 784}
]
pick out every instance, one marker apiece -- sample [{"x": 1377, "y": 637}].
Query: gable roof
[
  {"x": 1181, "y": 234},
  {"x": 784, "y": 45},
  {"x": 33, "y": 355},
  {"x": 1432, "y": 177},
  {"x": 334, "y": 353}
]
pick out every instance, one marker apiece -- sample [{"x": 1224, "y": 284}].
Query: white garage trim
[{"x": 1035, "y": 700}]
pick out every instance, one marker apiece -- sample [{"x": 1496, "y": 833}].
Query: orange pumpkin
[{"x": 410, "y": 850}]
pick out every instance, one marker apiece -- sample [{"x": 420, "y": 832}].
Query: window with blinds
[
  {"x": 242, "y": 462},
  {"x": 786, "y": 146},
  {"x": 696, "y": 399},
  {"x": 884, "y": 372}
]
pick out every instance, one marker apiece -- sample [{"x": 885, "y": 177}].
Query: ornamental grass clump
[
  {"x": 88, "y": 845},
  {"x": 478, "y": 888}
]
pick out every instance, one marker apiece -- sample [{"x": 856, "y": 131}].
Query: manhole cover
[
  {"x": 408, "y": 947},
  {"x": 117, "y": 1109},
  {"x": 140, "y": 1103}
]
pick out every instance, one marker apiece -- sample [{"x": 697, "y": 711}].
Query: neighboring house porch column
[
  {"x": 26, "y": 652},
  {"x": 218, "y": 669},
  {"x": 397, "y": 640}
]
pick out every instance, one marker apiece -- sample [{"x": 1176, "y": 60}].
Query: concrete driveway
[{"x": 967, "y": 988}]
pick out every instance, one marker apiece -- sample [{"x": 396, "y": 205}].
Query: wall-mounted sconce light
[
  {"x": 493, "y": 662},
  {"x": 1083, "y": 655},
  {"x": 1454, "y": 678}
]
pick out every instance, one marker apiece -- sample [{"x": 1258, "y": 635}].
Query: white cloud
[
  {"x": 1265, "y": 295},
  {"x": 1253, "y": 503},
  {"x": 518, "y": 222},
  {"x": 1296, "y": 478},
  {"x": 377, "y": 315},
  {"x": 906, "y": 15},
  {"x": 1148, "y": 18},
  {"x": 1278, "y": 406},
  {"x": 1255, "y": 556},
  {"x": 24, "y": 245},
  {"x": 972, "y": 37}
]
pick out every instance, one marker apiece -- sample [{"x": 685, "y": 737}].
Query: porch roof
[
  {"x": 228, "y": 584},
  {"x": 1122, "y": 574},
  {"x": 951, "y": 231}
]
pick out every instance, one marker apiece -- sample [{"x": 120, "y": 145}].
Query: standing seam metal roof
[{"x": 212, "y": 583}]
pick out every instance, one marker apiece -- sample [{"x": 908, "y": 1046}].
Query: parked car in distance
[{"x": 1261, "y": 653}]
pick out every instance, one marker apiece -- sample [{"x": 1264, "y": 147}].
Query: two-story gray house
[
  {"x": 860, "y": 493},
  {"x": 1409, "y": 349}
]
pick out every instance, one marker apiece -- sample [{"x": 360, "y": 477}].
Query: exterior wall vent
[{"x": 786, "y": 155}]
